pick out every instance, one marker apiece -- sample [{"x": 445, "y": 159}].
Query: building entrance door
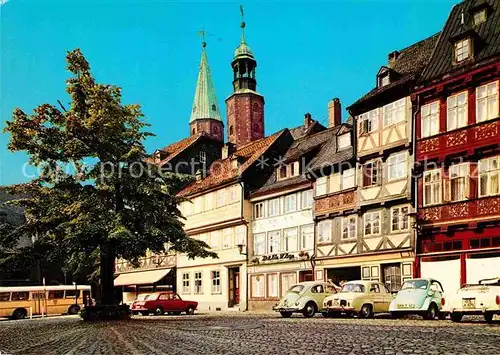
[{"x": 234, "y": 286}]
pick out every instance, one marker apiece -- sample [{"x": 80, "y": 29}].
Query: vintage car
[
  {"x": 482, "y": 298},
  {"x": 304, "y": 297},
  {"x": 362, "y": 298},
  {"x": 160, "y": 302},
  {"x": 419, "y": 296}
]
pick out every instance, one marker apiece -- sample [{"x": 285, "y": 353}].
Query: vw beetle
[
  {"x": 304, "y": 297},
  {"x": 419, "y": 296}
]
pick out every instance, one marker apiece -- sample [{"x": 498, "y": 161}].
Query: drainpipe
[
  {"x": 414, "y": 190},
  {"x": 242, "y": 184}
]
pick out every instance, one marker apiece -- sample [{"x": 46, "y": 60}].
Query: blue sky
[{"x": 307, "y": 54}]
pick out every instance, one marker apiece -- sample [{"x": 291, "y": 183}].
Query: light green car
[
  {"x": 419, "y": 296},
  {"x": 305, "y": 297}
]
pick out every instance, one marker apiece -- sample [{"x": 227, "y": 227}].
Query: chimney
[
  {"x": 392, "y": 57},
  {"x": 227, "y": 150},
  {"x": 334, "y": 113},
  {"x": 307, "y": 120}
]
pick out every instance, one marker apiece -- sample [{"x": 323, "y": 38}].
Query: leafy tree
[{"x": 97, "y": 197}]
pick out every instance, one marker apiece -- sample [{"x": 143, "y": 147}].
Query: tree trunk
[{"x": 107, "y": 263}]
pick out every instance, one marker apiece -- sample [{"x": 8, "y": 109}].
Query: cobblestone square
[{"x": 248, "y": 333}]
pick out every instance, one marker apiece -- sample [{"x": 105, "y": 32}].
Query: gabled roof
[
  {"x": 408, "y": 65},
  {"x": 223, "y": 171},
  {"x": 171, "y": 151},
  {"x": 486, "y": 42},
  {"x": 323, "y": 147},
  {"x": 205, "y": 101}
]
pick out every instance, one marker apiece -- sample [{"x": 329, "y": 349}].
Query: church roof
[{"x": 205, "y": 101}]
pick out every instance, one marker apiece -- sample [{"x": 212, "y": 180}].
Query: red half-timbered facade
[{"x": 458, "y": 149}]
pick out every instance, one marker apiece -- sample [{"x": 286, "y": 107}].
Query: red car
[{"x": 160, "y": 302}]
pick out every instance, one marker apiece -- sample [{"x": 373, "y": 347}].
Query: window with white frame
[
  {"x": 203, "y": 157},
  {"x": 233, "y": 193},
  {"x": 273, "y": 207},
  {"x": 321, "y": 185},
  {"x": 487, "y": 102},
  {"x": 349, "y": 227},
  {"x": 290, "y": 203},
  {"x": 400, "y": 219},
  {"x": 259, "y": 244},
  {"x": 215, "y": 239},
  {"x": 204, "y": 237},
  {"x": 273, "y": 242},
  {"x": 372, "y": 173},
  {"x": 288, "y": 170},
  {"x": 306, "y": 199},
  {"x": 368, "y": 122},
  {"x": 325, "y": 231},
  {"x": 272, "y": 285},
  {"x": 221, "y": 197},
  {"x": 185, "y": 282},
  {"x": 198, "y": 282},
  {"x": 348, "y": 178},
  {"x": 289, "y": 240},
  {"x": 343, "y": 141},
  {"x": 489, "y": 176},
  {"x": 227, "y": 238},
  {"x": 258, "y": 285},
  {"x": 459, "y": 178},
  {"x": 371, "y": 223},
  {"x": 463, "y": 50},
  {"x": 397, "y": 166},
  {"x": 209, "y": 203},
  {"x": 394, "y": 112},
  {"x": 430, "y": 119},
  {"x": 432, "y": 187},
  {"x": 384, "y": 80},
  {"x": 287, "y": 281},
  {"x": 306, "y": 237},
  {"x": 241, "y": 235},
  {"x": 198, "y": 204},
  {"x": 216, "y": 282},
  {"x": 456, "y": 106},
  {"x": 258, "y": 210}
]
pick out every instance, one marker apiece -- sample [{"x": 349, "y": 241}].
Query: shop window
[
  {"x": 272, "y": 285},
  {"x": 258, "y": 285}
]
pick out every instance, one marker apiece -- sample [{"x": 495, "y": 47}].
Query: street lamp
[{"x": 76, "y": 293}]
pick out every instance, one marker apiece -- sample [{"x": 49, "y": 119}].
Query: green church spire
[{"x": 205, "y": 101}]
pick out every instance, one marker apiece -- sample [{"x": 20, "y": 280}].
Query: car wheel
[
  {"x": 286, "y": 314},
  {"x": 488, "y": 317},
  {"x": 366, "y": 311},
  {"x": 74, "y": 309},
  {"x": 456, "y": 317},
  {"x": 19, "y": 313},
  {"x": 431, "y": 312},
  {"x": 145, "y": 313},
  {"x": 309, "y": 310},
  {"x": 159, "y": 311},
  {"x": 190, "y": 311}
]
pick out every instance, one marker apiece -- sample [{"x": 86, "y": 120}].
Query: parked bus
[{"x": 22, "y": 301}]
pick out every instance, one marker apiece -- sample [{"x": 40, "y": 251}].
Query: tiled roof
[
  {"x": 486, "y": 43},
  {"x": 222, "y": 171},
  {"x": 324, "y": 147},
  {"x": 301, "y": 131},
  {"x": 174, "y": 149},
  {"x": 409, "y": 64}
]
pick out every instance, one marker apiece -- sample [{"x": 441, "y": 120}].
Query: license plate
[{"x": 469, "y": 303}]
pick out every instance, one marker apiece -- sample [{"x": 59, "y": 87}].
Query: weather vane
[
  {"x": 202, "y": 34},
  {"x": 242, "y": 24}
]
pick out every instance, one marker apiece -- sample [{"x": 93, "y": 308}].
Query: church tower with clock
[{"x": 245, "y": 106}]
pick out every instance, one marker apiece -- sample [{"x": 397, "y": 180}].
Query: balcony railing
[
  {"x": 335, "y": 203},
  {"x": 460, "y": 140},
  {"x": 146, "y": 263},
  {"x": 471, "y": 210}
]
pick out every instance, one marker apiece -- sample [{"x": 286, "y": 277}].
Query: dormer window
[
  {"x": 288, "y": 171},
  {"x": 343, "y": 141},
  {"x": 384, "y": 80},
  {"x": 463, "y": 50},
  {"x": 480, "y": 16}
]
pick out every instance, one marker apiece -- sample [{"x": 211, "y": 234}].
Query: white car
[{"x": 482, "y": 298}]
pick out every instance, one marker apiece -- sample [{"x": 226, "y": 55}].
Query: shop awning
[{"x": 141, "y": 277}]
